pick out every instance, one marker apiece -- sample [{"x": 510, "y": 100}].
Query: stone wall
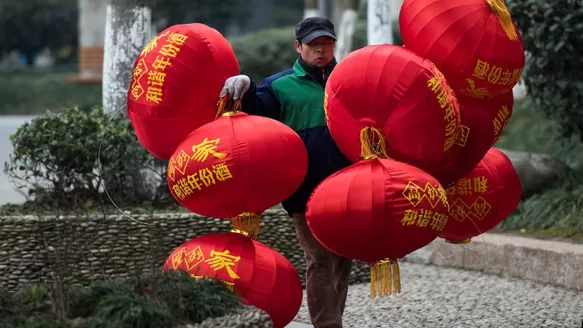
[{"x": 84, "y": 248}]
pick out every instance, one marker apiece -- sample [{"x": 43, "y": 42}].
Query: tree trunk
[
  {"x": 346, "y": 29},
  {"x": 310, "y": 8},
  {"x": 127, "y": 31},
  {"x": 379, "y": 22}
]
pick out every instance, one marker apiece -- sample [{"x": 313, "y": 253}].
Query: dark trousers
[{"x": 327, "y": 277}]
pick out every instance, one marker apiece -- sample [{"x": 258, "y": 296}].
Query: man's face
[{"x": 318, "y": 53}]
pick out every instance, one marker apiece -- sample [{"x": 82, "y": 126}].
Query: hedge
[
  {"x": 552, "y": 31},
  {"x": 35, "y": 92},
  {"x": 57, "y": 170}
]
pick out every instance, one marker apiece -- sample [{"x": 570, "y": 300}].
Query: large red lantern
[
  {"x": 176, "y": 83},
  {"x": 482, "y": 123},
  {"x": 473, "y": 42},
  {"x": 378, "y": 211},
  {"x": 385, "y": 91},
  {"x": 481, "y": 200},
  {"x": 261, "y": 276},
  {"x": 501, "y": 112},
  {"x": 236, "y": 167}
]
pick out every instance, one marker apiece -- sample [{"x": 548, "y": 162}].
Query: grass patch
[
  {"x": 557, "y": 234},
  {"x": 34, "y": 92}
]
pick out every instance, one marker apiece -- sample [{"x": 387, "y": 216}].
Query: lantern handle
[{"x": 227, "y": 106}]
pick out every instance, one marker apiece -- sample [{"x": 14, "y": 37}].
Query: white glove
[{"x": 236, "y": 86}]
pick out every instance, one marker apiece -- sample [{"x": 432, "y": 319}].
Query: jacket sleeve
[{"x": 262, "y": 101}]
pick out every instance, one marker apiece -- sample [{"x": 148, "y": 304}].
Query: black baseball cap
[{"x": 314, "y": 27}]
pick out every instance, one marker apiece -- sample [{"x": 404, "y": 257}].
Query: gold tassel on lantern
[
  {"x": 461, "y": 242},
  {"x": 372, "y": 143},
  {"x": 501, "y": 11},
  {"x": 247, "y": 223},
  {"x": 385, "y": 278},
  {"x": 384, "y": 275}
]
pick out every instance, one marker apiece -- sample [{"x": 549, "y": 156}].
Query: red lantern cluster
[
  {"x": 416, "y": 121},
  {"x": 226, "y": 168},
  {"x": 480, "y": 52},
  {"x": 222, "y": 163}
]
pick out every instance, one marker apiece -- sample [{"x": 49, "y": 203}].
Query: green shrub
[
  {"x": 35, "y": 92},
  {"x": 266, "y": 52},
  {"x": 84, "y": 301},
  {"x": 30, "y": 321},
  {"x": 269, "y": 51},
  {"x": 169, "y": 299},
  {"x": 128, "y": 310},
  {"x": 7, "y": 303},
  {"x": 187, "y": 299},
  {"x": 96, "y": 322},
  {"x": 67, "y": 158},
  {"x": 194, "y": 300},
  {"x": 559, "y": 207},
  {"x": 33, "y": 298},
  {"x": 553, "y": 37}
]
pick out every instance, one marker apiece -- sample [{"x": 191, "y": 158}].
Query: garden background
[{"x": 52, "y": 159}]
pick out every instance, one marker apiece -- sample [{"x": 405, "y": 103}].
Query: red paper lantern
[
  {"x": 397, "y": 95},
  {"x": 261, "y": 276},
  {"x": 481, "y": 200},
  {"x": 378, "y": 211},
  {"x": 482, "y": 123},
  {"x": 237, "y": 164},
  {"x": 176, "y": 83},
  {"x": 473, "y": 42}
]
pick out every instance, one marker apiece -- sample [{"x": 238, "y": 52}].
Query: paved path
[
  {"x": 8, "y": 126},
  {"x": 298, "y": 325},
  {"x": 441, "y": 297}
]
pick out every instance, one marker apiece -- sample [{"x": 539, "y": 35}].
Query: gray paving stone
[{"x": 444, "y": 297}]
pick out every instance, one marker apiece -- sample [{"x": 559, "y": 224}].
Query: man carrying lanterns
[{"x": 296, "y": 98}]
